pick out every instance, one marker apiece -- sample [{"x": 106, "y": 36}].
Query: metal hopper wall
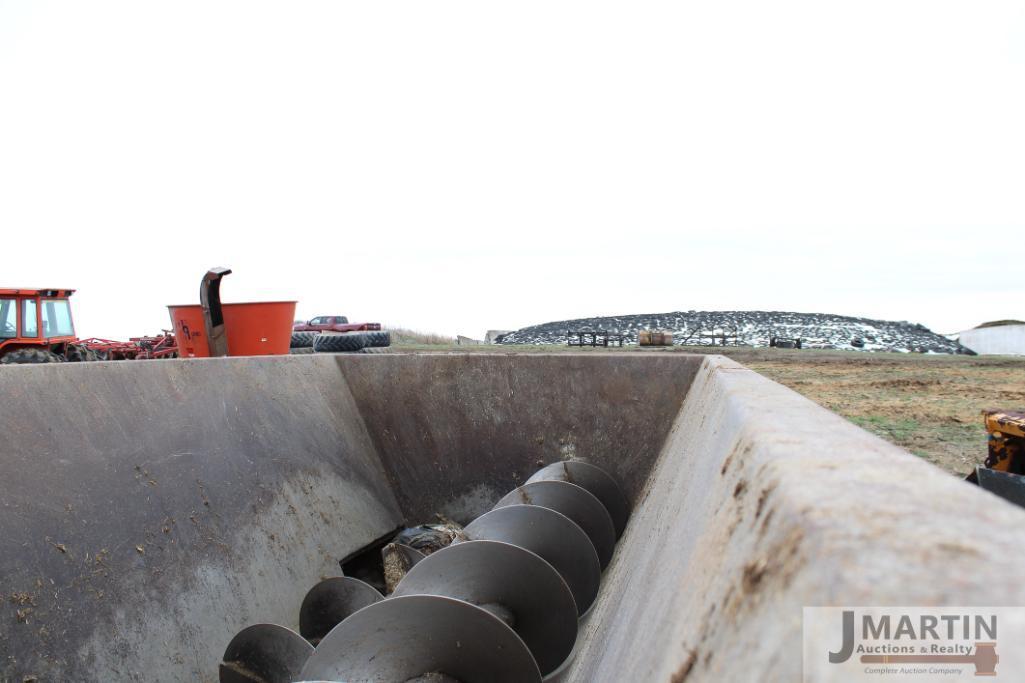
[
  {"x": 456, "y": 432},
  {"x": 152, "y": 509},
  {"x": 764, "y": 502}
]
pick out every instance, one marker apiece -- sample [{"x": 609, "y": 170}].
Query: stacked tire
[
  {"x": 349, "y": 342},
  {"x": 302, "y": 340},
  {"x": 378, "y": 338}
]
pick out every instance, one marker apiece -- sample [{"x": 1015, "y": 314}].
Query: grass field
[{"x": 928, "y": 404}]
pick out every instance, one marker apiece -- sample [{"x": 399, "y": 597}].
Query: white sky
[{"x": 459, "y": 166}]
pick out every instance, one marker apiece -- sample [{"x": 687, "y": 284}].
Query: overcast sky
[{"x": 459, "y": 166}]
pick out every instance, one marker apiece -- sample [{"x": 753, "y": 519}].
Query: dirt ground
[{"x": 928, "y": 404}]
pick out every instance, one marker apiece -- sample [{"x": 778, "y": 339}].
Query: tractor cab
[{"x": 35, "y": 325}]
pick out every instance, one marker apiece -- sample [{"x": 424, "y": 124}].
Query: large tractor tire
[
  {"x": 379, "y": 338},
  {"x": 303, "y": 340},
  {"x": 302, "y": 350},
  {"x": 340, "y": 343},
  {"x": 77, "y": 353},
  {"x": 30, "y": 356}
]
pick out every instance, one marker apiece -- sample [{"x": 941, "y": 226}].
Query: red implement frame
[{"x": 136, "y": 348}]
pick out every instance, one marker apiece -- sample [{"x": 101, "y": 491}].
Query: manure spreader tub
[{"x": 151, "y": 512}]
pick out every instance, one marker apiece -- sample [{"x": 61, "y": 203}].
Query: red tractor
[{"x": 36, "y": 327}]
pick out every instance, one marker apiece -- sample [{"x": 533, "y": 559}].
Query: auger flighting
[{"x": 500, "y": 607}]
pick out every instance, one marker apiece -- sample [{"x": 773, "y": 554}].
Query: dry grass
[
  {"x": 401, "y": 336},
  {"x": 929, "y": 405}
]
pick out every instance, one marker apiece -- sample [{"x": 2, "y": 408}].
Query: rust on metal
[
  {"x": 1006, "y": 440},
  {"x": 1005, "y": 422}
]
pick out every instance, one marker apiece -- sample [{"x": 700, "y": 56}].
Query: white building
[{"x": 997, "y": 339}]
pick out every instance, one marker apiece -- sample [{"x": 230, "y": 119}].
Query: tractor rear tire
[
  {"x": 303, "y": 340},
  {"x": 76, "y": 353},
  {"x": 31, "y": 356},
  {"x": 302, "y": 350},
  {"x": 340, "y": 343},
  {"x": 379, "y": 338}
]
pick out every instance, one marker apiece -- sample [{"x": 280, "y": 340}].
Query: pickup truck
[{"x": 333, "y": 323}]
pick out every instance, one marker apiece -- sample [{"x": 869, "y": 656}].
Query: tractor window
[
  {"x": 57, "y": 318},
  {"x": 8, "y": 318},
  {"x": 28, "y": 319}
]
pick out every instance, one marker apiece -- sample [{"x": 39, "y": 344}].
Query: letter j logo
[{"x": 848, "y": 640}]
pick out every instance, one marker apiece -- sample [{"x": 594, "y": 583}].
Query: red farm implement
[{"x": 136, "y": 348}]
